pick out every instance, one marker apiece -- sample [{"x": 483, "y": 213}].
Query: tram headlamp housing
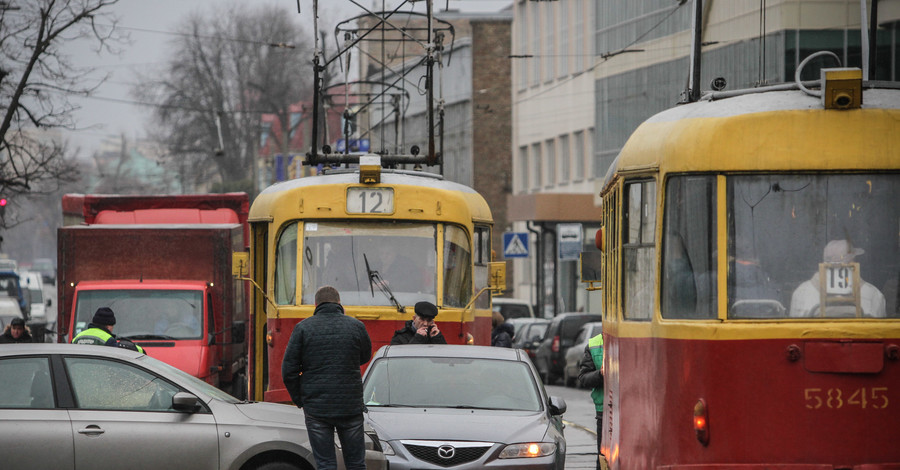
[
  {"x": 842, "y": 88},
  {"x": 369, "y": 169}
]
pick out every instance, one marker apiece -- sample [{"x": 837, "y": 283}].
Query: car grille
[{"x": 437, "y": 454}]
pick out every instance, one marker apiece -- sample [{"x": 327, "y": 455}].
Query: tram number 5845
[{"x": 836, "y": 398}]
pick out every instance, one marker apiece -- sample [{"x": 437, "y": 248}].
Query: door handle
[{"x": 91, "y": 429}]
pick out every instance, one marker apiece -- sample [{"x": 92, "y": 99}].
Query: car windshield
[
  {"x": 181, "y": 376},
  {"x": 144, "y": 313},
  {"x": 448, "y": 382}
]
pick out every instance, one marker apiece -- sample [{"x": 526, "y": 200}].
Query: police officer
[
  {"x": 99, "y": 331},
  {"x": 590, "y": 375}
]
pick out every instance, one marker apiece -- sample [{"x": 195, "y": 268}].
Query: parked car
[
  {"x": 528, "y": 333},
  {"x": 512, "y": 308},
  {"x": 465, "y": 407},
  {"x": 560, "y": 335},
  {"x": 576, "y": 351},
  {"x": 64, "y": 406},
  {"x": 33, "y": 287}
]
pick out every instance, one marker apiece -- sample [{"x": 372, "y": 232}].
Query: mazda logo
[{"x": 446, "y": 452}]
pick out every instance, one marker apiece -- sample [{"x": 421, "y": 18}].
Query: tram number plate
[
  {"x": 370, "y": 200},
  {"x": 839, "y": 280},
  {"x": 837, "y": 398}
]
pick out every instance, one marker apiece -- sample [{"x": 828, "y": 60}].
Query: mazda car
[{"x": 462, "y": 407}]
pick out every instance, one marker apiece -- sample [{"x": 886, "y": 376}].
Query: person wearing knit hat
[
  {"x": 16, "y": 332},
  {"x": 806, "y": 298},
  {"x": 99, "y": 332}
]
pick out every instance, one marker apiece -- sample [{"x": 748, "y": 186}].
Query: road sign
[
  {"x": 570, "y": 239},
  {"x": 515, "y": 244}
]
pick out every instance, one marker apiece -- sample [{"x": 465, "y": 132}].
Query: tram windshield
[
  {"x": 356, "y": 257},
  {"x": 799, "y": 246}
]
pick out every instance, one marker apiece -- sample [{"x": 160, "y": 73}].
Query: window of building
[
  {"x": 534, "y": 177},
  {"x": 563, "y": 57},
  {"x": 522, "y": 163},
  {"x": 550, "y": 164},
  {"x": 579, "y": 157},
  {"x": 578, "y": 29},
  {"x": 535, "y": 51},
  {"x": 548, "y": 62},
  {"x": 521, "y": 46},
  {"x": 564, "y": 159}
]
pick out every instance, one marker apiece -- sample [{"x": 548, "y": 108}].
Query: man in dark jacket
[
  {"x": 16, "y": 332},
  {"x": 502, "y": 333},
  {"x": 421, "y": 329},
  {"x": 321, "y": 372},
  {"x": 99, "y": 331},
  {"x": 590, "y": 375}
]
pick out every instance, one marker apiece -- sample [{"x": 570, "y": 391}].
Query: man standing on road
[
  {"x": 590, "y": 375},
  {"x": 321, "y": 372}
]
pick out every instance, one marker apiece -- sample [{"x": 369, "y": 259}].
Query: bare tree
[
  {"x": 228, "y": 67},
  {"x": 36, "y": 81}
]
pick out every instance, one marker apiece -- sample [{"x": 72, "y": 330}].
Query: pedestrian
[
  {"x": 590, "y": 375},
  {"x": 16, "y": 332},
  {"x": 502, "y": 333},
  {"x": 421, "y": 329},
  {"x": 321, "y": 372},
  {"x": 100, "y": 331}
]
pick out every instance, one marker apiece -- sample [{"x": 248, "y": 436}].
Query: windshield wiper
[
  {"x": 147, "y": 337},
  {"x": 375, "y": 278}
]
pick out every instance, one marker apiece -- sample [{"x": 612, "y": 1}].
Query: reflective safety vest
[
  {"x": 92, "y": 336},
  {"x": 595, "y": 346},
  {"x": 101, "y": 337}
]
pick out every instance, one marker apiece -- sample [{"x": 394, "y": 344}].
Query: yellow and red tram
[
  {"x": 751, "y": 257},
  {"x": 385, "y": 239}
]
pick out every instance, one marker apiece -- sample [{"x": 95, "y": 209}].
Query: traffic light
[{"x": 3, "y": 202}]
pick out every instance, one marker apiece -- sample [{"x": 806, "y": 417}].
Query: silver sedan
[{"x": 65, "y": 406}]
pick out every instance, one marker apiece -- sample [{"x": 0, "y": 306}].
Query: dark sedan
[
  {"x": 550, "y": 358},
  {"x": 465, "y": 407}
]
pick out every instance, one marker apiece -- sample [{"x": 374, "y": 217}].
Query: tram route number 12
[
  {"x": 370, "y": 200},
  {"x": 836, "y": 398}
]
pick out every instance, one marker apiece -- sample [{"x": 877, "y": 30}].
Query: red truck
[{"x": 163, "y": 264}]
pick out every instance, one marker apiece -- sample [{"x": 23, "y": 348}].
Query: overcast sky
[{"x": 149, "y": 24}]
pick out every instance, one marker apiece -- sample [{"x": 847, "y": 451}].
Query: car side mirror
[
  {"x": 557, "y": 406},
  {"x": 186, "y": 402}
]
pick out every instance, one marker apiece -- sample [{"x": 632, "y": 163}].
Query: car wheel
[{"x": 277, "y": 466}]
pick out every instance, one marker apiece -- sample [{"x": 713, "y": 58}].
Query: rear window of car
[{"x": 570, "y": 326}]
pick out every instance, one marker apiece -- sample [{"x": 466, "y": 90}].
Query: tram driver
[{"x": 806, "y": 298}]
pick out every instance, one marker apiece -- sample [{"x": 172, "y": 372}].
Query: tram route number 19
[
  {"x": 836, "y": 398},
  {"x": 370, "y": 200}
]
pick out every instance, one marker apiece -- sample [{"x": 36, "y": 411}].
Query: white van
[
  {"x": 31, "y": 281},
  {"x": 512, "y": 308}
]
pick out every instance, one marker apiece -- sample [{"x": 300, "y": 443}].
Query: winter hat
[
  {"x": 426, "y": 310},
  {"x": 17, "y": 322},
  {"x": 104, "y": 316}
]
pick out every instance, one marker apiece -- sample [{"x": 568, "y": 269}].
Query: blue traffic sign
[{"x": 515, "y": 244}]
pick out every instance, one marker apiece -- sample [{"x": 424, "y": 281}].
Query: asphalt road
[{"x": 580, "y": 431}]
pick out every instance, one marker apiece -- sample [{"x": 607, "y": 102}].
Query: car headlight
[
  {"x": 527, "y": 450},
  {"x": 386, "y": 448}
]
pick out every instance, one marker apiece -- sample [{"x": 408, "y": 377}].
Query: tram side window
[
  {"x": 639, "y": 250},
  {"x": 689, "y": 248},
  {"x": 286, "y": 266},
  {"x": 482, "y": 254},
  {"x": 457, "y": 267}
]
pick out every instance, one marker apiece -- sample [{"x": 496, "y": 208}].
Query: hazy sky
[{"x": 112, "y": 111}]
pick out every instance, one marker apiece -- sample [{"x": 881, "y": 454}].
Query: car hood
[
  {"x": 458, "y": 424},
  {"x": 272, "y": 412}
]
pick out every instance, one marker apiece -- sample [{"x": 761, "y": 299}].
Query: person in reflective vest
[
  {"x": 99, "y": 331},
  {"x": 590, "y": 375}
]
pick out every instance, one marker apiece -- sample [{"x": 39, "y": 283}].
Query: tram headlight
[{"x": 842, "y": 88}]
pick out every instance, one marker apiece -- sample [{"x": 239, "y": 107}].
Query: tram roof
[
  {"x": 769, "y": 131},
  {"x": 275, "y": 193}
]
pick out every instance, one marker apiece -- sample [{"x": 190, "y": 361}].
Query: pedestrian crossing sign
[{"x": 515, "y": 244}]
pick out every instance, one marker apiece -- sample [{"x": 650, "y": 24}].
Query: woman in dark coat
[{"x": 502, "y": 333}]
